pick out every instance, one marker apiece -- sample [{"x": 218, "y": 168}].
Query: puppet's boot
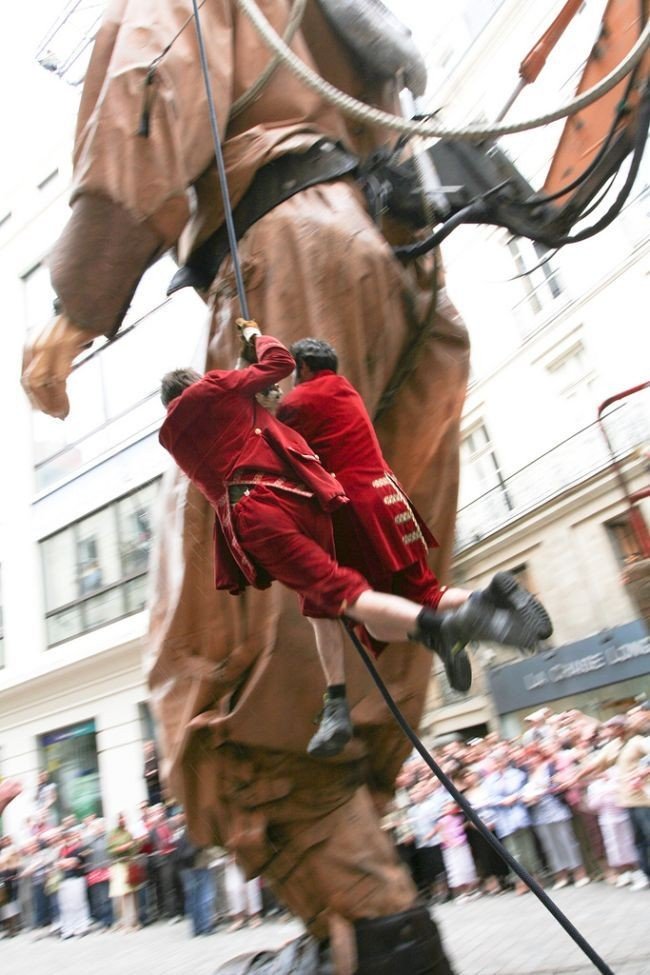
[
  {"x": 334, "y": 729},
  {"x": 394, "y": 945},
  {"x": 400, "y": 943},
  {"x": 503, "y": 613},
  {"x": 504, "y": 592}
]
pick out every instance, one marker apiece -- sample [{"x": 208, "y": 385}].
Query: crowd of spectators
[
  {"x": 569, "y": 799},
  {"x": 68, "y": 878}
]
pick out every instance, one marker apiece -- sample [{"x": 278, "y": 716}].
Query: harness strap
[{"x": 273, "y": 184}]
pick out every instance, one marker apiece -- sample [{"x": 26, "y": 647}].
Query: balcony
[{"x": 565, "y": 466}]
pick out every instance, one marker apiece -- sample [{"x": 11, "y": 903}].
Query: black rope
[
  {"x": 471, "y": 814},
  {"x": 221, "y": 168}
]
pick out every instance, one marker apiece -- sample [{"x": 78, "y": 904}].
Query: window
[
  {"x": 485, "y": 501},
  {"x": 537, "y": 278},
  {"x": 69, "y": 755},
  {"x": 626, "y": 545},
  {"x": 95, "y": 570},
  {"x": 480, "y": 472},
  {"x": 575, "y": 382},
  {"x": 113, "y": 392}
]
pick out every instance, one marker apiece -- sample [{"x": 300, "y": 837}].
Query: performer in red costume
[
  {"x": 272, "y": 499},
  {"x": 380, "y": 534}
]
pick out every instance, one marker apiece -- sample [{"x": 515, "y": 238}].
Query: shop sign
[
  {"x": 73, "y": 731},
  {"x": 606, "y": 658}
]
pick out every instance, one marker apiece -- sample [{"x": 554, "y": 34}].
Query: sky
[{"x": 34, "y": 102}]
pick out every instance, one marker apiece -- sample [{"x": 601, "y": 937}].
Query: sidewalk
[{"x": 503, "y": 935}]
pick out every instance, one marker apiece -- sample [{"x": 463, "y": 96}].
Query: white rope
[
  {"x": 365, "y": 113},
  {"x": 294, "y": 22}
]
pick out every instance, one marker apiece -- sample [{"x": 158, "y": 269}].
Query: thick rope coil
[{"x": 365, "y": 113}]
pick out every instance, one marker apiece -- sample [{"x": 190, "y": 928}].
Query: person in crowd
[
  {"x": 98, "y": 876},
  {"x": 72, "y": 895},
  {"x": 626, "y": 754},
  {"x": 198, "y": 883},
  {"x": 10, "y": 865},
  {"x": 398, "y": 819},
  {"x": 513, "y": 824},
  {"x": 244, "y": 897},
  {"x": 46, "y": 800},
  {"x": 151, "y": 774},
  {"x": 491, "y": 868},
  {"x": 566, "y": 753},
  {"x": 537, "y": 728},
  {"x": 616, "y": 827},
  {"x": 456, "y": 853},
  {"x": 428, "y": 798},
  {"x": 41, "y": 867},
  {"x": 122, "y": 849},
  {"x": 166, "y": 832},
  {"x": 29, "y": 854},
  {"x": 552, "y": 820}
]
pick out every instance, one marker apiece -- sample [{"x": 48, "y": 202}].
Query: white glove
[{"x": 247, "y": 329}]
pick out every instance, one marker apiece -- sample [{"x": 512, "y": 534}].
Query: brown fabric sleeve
[
  {"x": 130, "y": 198},
  {"x": 98, "y": 261}
]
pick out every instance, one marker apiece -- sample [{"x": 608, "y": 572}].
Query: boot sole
[{"x": 508, "y": 594}]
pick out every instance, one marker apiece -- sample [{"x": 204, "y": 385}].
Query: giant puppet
[{"x": 234, "y": 703}]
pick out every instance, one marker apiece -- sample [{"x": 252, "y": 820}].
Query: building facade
[
  {"x": 78, "y": 518},
  {"x": 553, "y": 335}
]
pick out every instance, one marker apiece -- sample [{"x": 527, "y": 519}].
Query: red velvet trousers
[{"x": 291, "y": 537}]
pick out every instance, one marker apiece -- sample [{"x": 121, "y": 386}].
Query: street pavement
[{"x": 502, "y": 935}]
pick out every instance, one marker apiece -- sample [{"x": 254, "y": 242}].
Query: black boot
[
  {"x": 435, "y": 633},
  {"x": 334, "y": 729},
  {"x": 503, "y": 613},
  {"x": 401, "y": 944}
]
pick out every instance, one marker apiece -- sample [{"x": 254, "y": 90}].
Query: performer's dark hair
[
  {"x": 316, "y": 353},
  {"x": 175, "y": 382}
]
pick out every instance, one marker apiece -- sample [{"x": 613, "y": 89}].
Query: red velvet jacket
[
  {"x": 216, "y": 429},
  {"x": 379, "y": 531}
]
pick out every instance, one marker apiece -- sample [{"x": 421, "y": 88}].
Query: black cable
[
  {"x": 472, "y": 213},
  {"x": 620, "y": 111},
  {"x": 473, "y": 817},
  {"x": 626, "y": 189},
  {"x": 582, "y": 177},
  {"x": 221, "y": 168}
]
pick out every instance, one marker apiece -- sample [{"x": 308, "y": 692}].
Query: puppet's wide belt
[{"x": 273, "y": 184}]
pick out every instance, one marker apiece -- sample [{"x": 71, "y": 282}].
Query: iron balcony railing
[{"x": 568, "y": 464}]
